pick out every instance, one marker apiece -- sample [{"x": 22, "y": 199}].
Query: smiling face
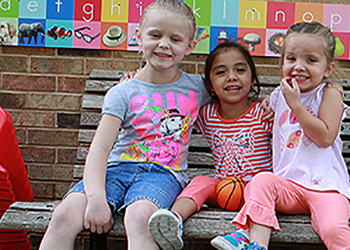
[
  {"x": 305, "y": 60},
  {"x": 165, "y": 39},
  {"x": 231, "y": 78}
]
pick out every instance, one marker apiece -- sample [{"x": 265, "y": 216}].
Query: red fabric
[
  {"x": 11, "y": 159},
  {"x": 14, "y": 183}
]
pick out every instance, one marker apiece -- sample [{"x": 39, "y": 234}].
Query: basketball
[{"x": 229, "y": 193}]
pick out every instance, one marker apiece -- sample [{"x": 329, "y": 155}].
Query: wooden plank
[
  {"x": 29, "y": 216},
  {"x": 208, "y": 223},
  {"x": 90, "y": 119},
  {"x": 86, "y": 135},
  {"x": 106, "y": 74},
  {"x": 99, "y": 86},
  {"x": 92, "y": 101}
]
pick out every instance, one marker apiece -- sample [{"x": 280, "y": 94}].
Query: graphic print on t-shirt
[
  {"x": 230, "y": 152},
  {"x": 164, "y": 131}
]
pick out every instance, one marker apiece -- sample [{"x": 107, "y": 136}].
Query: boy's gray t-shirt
[{"x": 157, "y": 121}]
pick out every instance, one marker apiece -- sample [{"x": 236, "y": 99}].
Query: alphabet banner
[{"x": 110, "y": 24}]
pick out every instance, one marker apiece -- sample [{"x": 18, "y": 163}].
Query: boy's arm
[
  {"x": 98, "y": 215},
  {"x": 322, "y": 129}
]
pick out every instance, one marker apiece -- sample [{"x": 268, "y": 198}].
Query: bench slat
[
  {"x": 206, "y": 224},
  {"x": 99, "y": 86},
  {"x": 106, "y": 74},
  {"x": 92, "y": 101},
  {"x": 90, "y": 119}
]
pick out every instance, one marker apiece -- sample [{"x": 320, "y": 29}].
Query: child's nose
[
  {"x": 231, "y": 77},
  {"x": 164, "y": 43},
  {"x": 299, "y": 65}
]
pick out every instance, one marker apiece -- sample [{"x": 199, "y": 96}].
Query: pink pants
[
  {"x": 201, "y": 189},
  {"x": 329, "y": 210}
]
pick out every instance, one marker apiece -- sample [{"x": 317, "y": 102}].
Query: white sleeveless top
[{"x": 299, "y": 159}]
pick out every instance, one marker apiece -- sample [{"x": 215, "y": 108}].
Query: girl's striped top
[{"x": 241, "y": 147}]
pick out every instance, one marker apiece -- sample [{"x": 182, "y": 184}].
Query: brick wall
[{"x": 42, "y": 89}]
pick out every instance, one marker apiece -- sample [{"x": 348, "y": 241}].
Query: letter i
[{"x": 139, "y": 5}]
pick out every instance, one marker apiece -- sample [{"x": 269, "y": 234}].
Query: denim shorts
[{"x": 128, "y": 182}]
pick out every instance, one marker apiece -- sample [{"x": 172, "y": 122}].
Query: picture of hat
[{"x": 114, "y": 36}]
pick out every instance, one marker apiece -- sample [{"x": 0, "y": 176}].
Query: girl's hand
[
  {"x": 268, "y": 113},
  {"x": 291, "y": 91},
  {"x": 98, "y": 217}
]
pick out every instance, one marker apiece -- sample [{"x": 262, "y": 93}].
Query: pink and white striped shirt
[{"x": 241, "y": 147}]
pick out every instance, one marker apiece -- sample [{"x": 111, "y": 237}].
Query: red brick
[
  {"x": 54, "y": 101},
  {"x": 263, "y": 70},
  {"x": 67, "y": 156},
  {"x": 71, "y": 84},
  {"x": 100, "y": 53},
  {"x": 63, "y": 173},
  {"x": 53, "y": 137},
  {"x": 61, "y": 188},
  {"x": 201, "y": 69},
  {"x": 38, "y": 154},
  {"x": 123, "y": 54},
  {"x": 11, "y": 100},
  {"x": 43, "y": 189},
  {"x": 51, "y": 172},
  {"x": 40, "y": 172},
  {"x": 65, "y": 120},
  {"x": 122, "y": 65},
  {"x": 13, "y": 63},
  {"x": 28, "y": 50},
  {"x": 28, "y": 82},
  {"x": 21, "y": 135},
  {"x": 57, "y": 65},
  {"x": 188, "y": 67},
  {"x": 195, "y": 58},
  {"x": 33, "y": 118}
]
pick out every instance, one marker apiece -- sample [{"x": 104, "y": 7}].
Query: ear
[
  {"x": 12, "y": 29},
  {"x": 138, "y": 36},
  {"x": 329, "y": 69},
  {"x": 191, "y": 47}
]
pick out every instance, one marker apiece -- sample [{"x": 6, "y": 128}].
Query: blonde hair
[
  {"x": 176, "y": 7},
  {"x": 313, "y": 29}
]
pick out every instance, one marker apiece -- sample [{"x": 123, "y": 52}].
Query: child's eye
[
  {"x": 290, "y": 58},
  {"x": 154, "y": 35},
  {"x": 311, "y": 60},
  {"x": 240, "y": 70},
  {"x": 175, "y": 39},
  {"x": 219, "y": 72}
]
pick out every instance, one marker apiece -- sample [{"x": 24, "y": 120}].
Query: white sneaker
[{"x": 166, "y": 228}]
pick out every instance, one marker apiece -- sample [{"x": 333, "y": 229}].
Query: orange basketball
[{"x": 229, "y": 193}]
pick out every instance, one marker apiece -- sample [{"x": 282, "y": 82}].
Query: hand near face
[{"x": 291, "y": 91}]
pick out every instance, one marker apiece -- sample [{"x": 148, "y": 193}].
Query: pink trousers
[
  {"x": 329, "y": 210},
  {"x": 201, "y": 189}
]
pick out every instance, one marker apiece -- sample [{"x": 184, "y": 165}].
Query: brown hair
[
  {"x": 176, "y": 7},
  {"x": 222, "y": 48},
  {"x": 314, "y": 29}
]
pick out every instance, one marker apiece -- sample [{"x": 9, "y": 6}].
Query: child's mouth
[
  {"x": 233, "y": 88},
  {"x": 301, "y": 77},
  {"x": 162, "y": 55}
]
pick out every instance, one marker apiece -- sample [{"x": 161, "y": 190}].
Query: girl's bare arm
[
  {"x": 322, "y": 129},
  {"x": 98, "y": 216}
]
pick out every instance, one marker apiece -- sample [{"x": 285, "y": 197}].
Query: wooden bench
[{"x": 34, "y": 216}]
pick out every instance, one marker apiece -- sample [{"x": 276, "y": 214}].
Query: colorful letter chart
[{"x": 111, "y": 24}]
